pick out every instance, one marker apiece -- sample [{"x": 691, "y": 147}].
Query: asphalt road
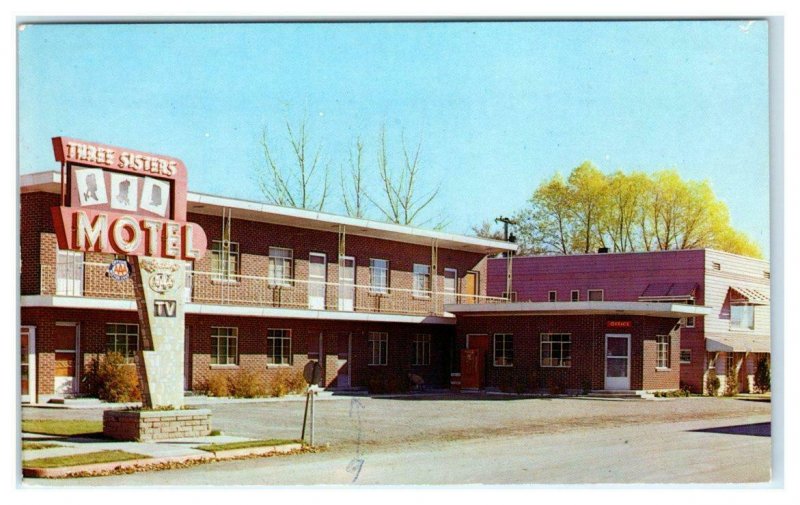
[{"x": 430, "y": 441}]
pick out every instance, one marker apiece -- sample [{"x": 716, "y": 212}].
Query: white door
[
  {"x": 316, "y": 281},
  {"x": 69, "y": 273},
  {"x": 450, "y": 285},
  {"x": 347, "y": 282},
  {"x": 618, "y": 362}
]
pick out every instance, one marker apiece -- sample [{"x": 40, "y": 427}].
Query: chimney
[{"x": 602, "y": 250}]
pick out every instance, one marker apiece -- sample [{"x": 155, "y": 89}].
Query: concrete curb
[{"x": 153, "y": 463}]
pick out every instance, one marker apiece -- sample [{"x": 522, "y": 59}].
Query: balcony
[{"x": 84, "y": 279}]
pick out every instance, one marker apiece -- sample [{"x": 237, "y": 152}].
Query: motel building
[
  {"x": 557, "y": 297},
  {"x": 372, "y": 302}
]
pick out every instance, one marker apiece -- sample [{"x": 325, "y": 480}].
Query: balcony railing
[{"x": 90, "y": 280}]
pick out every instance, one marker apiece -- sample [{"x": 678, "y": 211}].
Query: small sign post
[{"x": 312, "y": 373}]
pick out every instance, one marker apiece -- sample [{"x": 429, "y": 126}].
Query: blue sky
[{"x": 498, "y": 106}]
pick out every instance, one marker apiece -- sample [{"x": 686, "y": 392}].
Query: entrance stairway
[{"x": 621, "y": 395}]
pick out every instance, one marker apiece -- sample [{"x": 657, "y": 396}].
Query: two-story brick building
[
  {"x": 736, "y": 332},
  {"x": 276, "y": 288}
]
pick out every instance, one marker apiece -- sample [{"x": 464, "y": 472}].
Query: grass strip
[
  {"x": 246, "y": 444},
  {"x": 66, "y": 427},
  {"x": 35, "y": 446},
  {"x": 88, "y": 458}
]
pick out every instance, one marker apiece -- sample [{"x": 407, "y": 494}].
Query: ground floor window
[
  {"x": 556, "y": 350},
  {"x": 503, "y": 349},
  {"x": 224, "y": 346},
  {"x": 662, "y": 351},
  {"x": 379, "y": 346},
  {"x": 279, "y": 347},
  {"x": 124, "y": 339},
  {"x": 422, "y": 349}
]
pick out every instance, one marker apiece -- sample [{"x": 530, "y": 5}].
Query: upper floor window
[
  {"x": 742, "y": 317},
  {"x": 279, "y": 347},
  {"x": 224, "y": 345},
  {"x": 575, "y": 295},
  {"x": 552, "y": 296},
  {"x": 690, "y": 321},
  {"x": 124, "y": 339},
  {"x": 503, "y": 349},
  {"x": 379, "y": 275},
  {"x": 280, "y": 266},
  {"x": 594, "y": 295},
  {"x": 224, "y": 259},
  {"x": 422, "y": 280},
  {"x": 69, "y": 273}
]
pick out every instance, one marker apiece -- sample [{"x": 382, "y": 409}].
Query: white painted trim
[
  {"x": 33, "y": 393},
  {"x": 581, "y": 308},
  {"x": 602, "y": 294},
  {"x": 237, "y": 310}
]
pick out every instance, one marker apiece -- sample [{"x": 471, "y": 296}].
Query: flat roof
[
  {"x": 578, "y": 308},
  {"x": 200, "y": 203}
]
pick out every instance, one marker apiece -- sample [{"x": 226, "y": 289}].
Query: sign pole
[
  {"x": 313, "y": 393},
  {"x": 305, "y": 416}
]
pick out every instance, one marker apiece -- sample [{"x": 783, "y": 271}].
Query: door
[
  {"x": 470, "y": 287},
  {"x": 343, "y": 366},
  {"x": 450, "y": 285},
  {"x": 473, "y": 362},
  {"x": 618, "y": 362},
  {"x": 69, "y": 273},
  {"x": 64, "y": 376},
  {"x": 317, "y": 263},
  {"x": 27, "y": 346},
  {"x": 347, "y": 282}
]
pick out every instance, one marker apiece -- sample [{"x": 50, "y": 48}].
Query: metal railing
[{"x": 215, "y": 288}]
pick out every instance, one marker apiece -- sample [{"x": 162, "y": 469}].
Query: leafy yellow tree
[
  {"x": 546, "y": 223},
  {"x": 618, "y": 226},
  {"x": 588, "y": 195}
]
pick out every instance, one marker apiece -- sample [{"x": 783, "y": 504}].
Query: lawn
[
  {"x": 33, "y": 446},
  {"x": 67, "y": 428},
  {"x": 246, "y": 444},
  {"x": 88, "y": 458}
]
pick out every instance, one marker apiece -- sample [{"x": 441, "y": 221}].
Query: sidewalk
[{"x": 156, "y": 454}]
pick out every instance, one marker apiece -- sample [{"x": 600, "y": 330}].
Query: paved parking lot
[{"x": 450, "y": 439}]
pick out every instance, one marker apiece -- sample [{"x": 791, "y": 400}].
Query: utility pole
[{"x": 506, "y": 221}]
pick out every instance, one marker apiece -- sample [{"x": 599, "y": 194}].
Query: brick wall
[
  {"x": 587, "y": 351},
  {"x": 34, "y": 219}
]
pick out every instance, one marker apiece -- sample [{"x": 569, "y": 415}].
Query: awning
[
  {"x": 654, "y": 309},
  {"x": 737, "y": 343},
  {"x": 669, "y": 291},
  {"x": 748, "y": 295}
]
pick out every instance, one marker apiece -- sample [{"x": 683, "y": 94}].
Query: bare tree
[
  {"x": 353, "y": 191},
  {"x": 299, "y": 184},
  {"x": 401, "y": 202}
]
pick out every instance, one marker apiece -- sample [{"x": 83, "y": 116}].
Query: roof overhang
[
  {"x": 749, "y": 296},
  {"x": 579, "y": 308},
  {"x": 200, "y": 203},
  {"x": 738, "y": 343}
]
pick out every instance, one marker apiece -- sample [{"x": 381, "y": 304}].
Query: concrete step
[{"x": 621, "y": 395}]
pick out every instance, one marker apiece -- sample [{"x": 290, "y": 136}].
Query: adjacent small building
[{"x": 733, "y": 333}]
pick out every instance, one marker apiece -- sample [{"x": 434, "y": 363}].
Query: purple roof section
[{"x": 621, "y": 276}]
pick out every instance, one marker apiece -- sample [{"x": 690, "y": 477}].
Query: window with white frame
[
  {"x": 224, "y": 260},
  {"x": 422, "y": 349},
  {"x": 379, "y": 276},
  {"x": 123, "y": 338},
  {"x": 503, "y": 349},
  {"x": 662, "y": 351},
  {"x": 450, "y": 285},
  {"x": 556, "y": 350},
  {"x": 224, "y": 345},
  {"x": 69, "y": 273},
  {"x": 280, "y": 266},
  {"x": 594, "y": 295},
  {"x": 379, "y": 347},
  {"x": 575, "y": 295},
  {"x": 686, "y": 356},
  {"x": 279, "y": 347},
  {"x": 690, "y": 320},
  {"x": 552, "y": 296},
  {"x": 422, "y": 280},
  {"x": 742, "y": 317}
]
